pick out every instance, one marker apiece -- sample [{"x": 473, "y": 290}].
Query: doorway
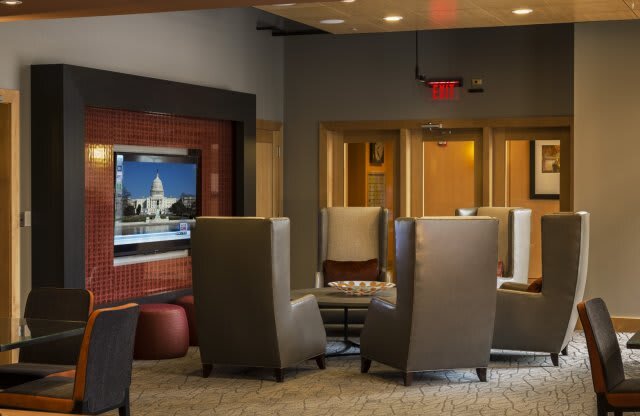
[
  {"x": 537, "y": 175},
  {"x": 269, "y": 167},
  {"x": 452, "y": 172},
  {"x": 370, "y": 176},
  {"x": 9, "y": 211}
]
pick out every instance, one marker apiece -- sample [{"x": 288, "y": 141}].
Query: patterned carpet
[{"x": 518, "y": 385}]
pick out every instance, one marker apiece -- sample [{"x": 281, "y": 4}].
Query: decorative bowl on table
[{"x": 361, "y": 287}]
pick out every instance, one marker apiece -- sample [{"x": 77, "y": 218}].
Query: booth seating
[
  {"x": 189, "y": 307},
  {"x": 162, "y": 333}
]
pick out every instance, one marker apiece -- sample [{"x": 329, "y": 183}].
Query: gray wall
[
  {"x": 217, "y": 48},
  {"x": 607, "y": 149},
  {"x": 527, "y": 71}
]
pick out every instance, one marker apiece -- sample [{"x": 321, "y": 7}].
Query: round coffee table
[{"x": 332, "y": 298}]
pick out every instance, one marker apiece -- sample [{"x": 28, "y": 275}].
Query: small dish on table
[{"x": 361, "y": 287}]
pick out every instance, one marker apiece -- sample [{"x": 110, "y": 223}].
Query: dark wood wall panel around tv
[
  {"x": 106, "y": 128},
  {"x": 62, "y": 120}
]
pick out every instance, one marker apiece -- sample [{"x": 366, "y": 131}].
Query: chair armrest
[
  {"x": 306, "y": 334},
  {"x": 319, "y": 280},
  {"x": 520, "y": 287}
]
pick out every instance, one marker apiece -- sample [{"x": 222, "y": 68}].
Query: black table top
[{"x": 21, "y": 332}]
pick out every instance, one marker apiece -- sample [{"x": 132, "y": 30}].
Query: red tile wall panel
[{"x": 105, "y": 128}]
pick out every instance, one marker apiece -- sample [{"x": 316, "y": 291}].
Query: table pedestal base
[{"x": 347, "y": 343}]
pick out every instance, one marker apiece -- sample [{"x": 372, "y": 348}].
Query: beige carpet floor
[{"x": 518, "y": 385}]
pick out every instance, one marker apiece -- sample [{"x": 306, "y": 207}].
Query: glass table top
[{"x": 21, "y": 332}]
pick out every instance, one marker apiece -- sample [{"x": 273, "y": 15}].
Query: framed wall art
[{"x": 545, "y": 169}]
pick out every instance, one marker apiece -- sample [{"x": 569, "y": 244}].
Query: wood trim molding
[
  {"x": 10, "y": 207},
  {"x": 277, "y": 140},
  {"x": 268, "y": 125},
  {"x": 559, "y": 121}
]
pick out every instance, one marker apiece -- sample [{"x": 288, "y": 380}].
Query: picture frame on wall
[
  {"x": 376, "y": 153},
  {"x": 544, "y": 165}
]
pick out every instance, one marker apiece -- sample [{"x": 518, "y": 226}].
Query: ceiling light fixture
[
  {"x": 331, "y": 21},
  {"x": 393, "y": 18},
  {"x": 11, "y": 2},
  {"x": 348, "y": 1},
  {"x": 522, "y": 11},
  {"x": 284, "y": 4}
]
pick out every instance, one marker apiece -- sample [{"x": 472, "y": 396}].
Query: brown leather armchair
[
  {"x": 544, "y": 322},
  {"x": 241, "y": 286},
  {"x": 444, "y": 315}
]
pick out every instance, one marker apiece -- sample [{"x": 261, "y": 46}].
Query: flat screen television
[{"x": 156, "y": 200}]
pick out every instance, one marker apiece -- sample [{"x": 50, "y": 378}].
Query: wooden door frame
[
  {"x": 275, "y": 127},
  {"x": 331, "y": 150},
  {"x": 10, "y": 165}
]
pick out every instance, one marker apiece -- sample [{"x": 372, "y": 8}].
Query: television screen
[{"x": 156, "y": 202}]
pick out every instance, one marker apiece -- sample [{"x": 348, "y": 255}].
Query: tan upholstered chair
[
  {"x": 614, "y": 391},
  {"x": 514, "y": 240},
  {"x": 241, "y": 286},
  {"x": 545, "y": 321},
  {"x": 353, "y": 234},
  {"x": 445, "y": 308}
]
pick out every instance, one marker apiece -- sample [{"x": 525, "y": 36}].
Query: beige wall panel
[{"x": 607, "y": 159}]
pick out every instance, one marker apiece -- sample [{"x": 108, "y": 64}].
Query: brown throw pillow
[
  {"x": 350, "y": 270},
  {"x": 535, "y": 286}
]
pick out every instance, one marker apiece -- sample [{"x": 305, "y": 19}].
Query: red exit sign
[{"x": 444, "y": 89}]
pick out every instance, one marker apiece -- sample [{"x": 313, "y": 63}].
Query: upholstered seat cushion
[
  {"x": 20, "y": 373},
  {"x": 53, "y": 394},
  {"x": 625, "y": 394},
  {"x": 189, "y": 307},
  {"x": 162, "y": 332}
]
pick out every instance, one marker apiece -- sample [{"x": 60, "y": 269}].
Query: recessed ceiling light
[
  {"x": 284, "y": 4},
  {"x": 331, "y": 21},
  {"x": 11, "y": 2},
  {"x": 393, "y": 18},
  {"x": 348, "y": 1},
  {"x": 522, "y": 11}
]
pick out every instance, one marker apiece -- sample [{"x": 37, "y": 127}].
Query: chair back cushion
[
  {"x": 352, "y": 233},
  {"x": 450, "y": 290},
  {"x": 602, "y": 343},
  {"x": 103, "y": 374},
  {"x": 56, "y": 304},
  {"x": 350, "y": 270},
  {"x": 241, "y": 288}
]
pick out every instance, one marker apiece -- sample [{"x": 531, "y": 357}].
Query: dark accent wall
[
  {"x": 527, "y": 72},
  {"x": 59, "y": 96}
]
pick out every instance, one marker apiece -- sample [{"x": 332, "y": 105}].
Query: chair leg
[
  {"x": 321, "y": 361},
  {"x": 554, "y": 359},
  {"x": 124, "y": 410},
  {"x": 365, "y": 365},
  {"x": 564, "y": 351},
  {"x": 206, "y": 370},
  {"x": 482, "y": 373},
  {"x": 279, "y": 374},
  {"x": 602, "y": 405},
  {"x": 408, "y": 378}
]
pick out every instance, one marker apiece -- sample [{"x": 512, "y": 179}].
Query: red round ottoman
[
  {"x": 162, "y": 333},
  {"x": 190, "y": 308}
]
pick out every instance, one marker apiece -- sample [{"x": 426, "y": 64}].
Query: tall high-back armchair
[
  {"x": 241, "y": 286},
  {"x": 353, "y": 234},
  {"x": 446, "y": 294},
  {"x": 514, "y": 239},
  {"x": 544, "y": 322}
]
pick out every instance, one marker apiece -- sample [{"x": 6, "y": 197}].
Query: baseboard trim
[{"x": 621, "y": 324}]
